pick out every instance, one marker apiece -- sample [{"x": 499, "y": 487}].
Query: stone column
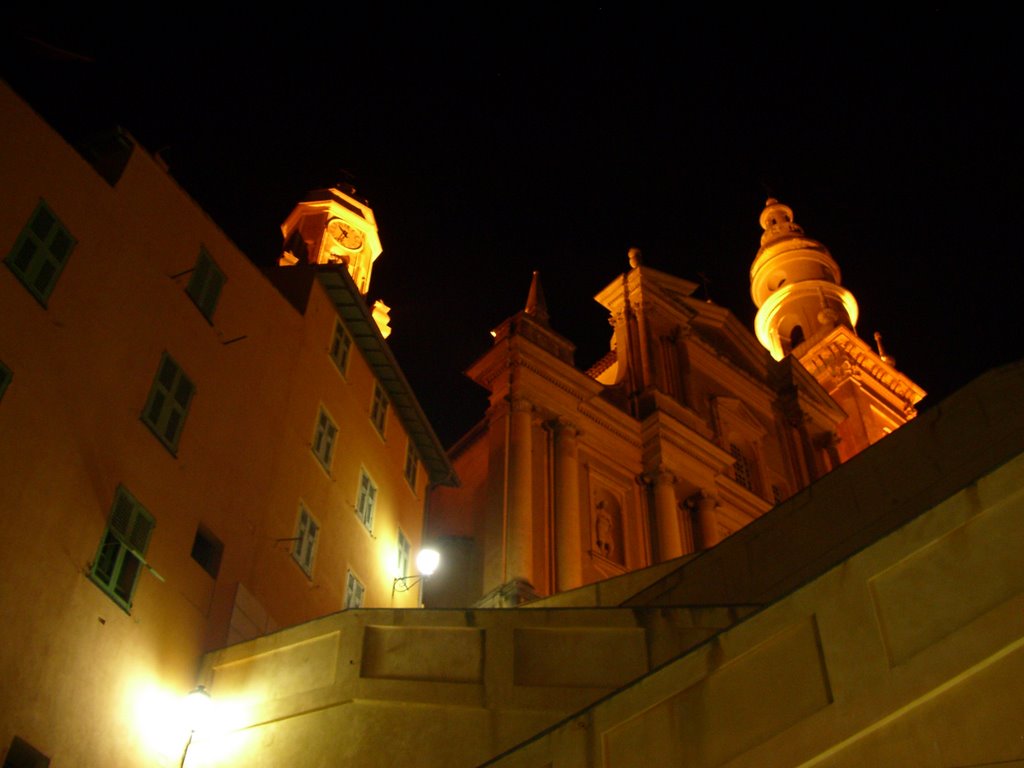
[
  {"x": 666, "y": 515},
  {"x": 707, "y": 520},
  {"x": 568, "y": 553},
  {"x": 519, "y": 542}
]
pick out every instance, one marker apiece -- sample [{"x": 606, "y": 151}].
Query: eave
[{"x": 366, "y": 335}]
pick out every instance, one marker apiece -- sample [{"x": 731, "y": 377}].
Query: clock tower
[
  {"x": 333, "y": 226},
  {"x": 804, "y": 311}
]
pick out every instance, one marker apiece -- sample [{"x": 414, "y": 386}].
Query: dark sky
[{"x": 510, "y": 139}]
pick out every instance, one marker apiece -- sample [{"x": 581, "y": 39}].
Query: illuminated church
[
  {"x": 686, "y": 431},
  {"x": 704, "y": 552}
]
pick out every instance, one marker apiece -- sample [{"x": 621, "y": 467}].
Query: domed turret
[{"x": 795, "y": 284}]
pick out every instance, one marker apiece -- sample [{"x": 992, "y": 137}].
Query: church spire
[
  {"x": 536, "y": 305},
  {"x": 795, "y": 283}
]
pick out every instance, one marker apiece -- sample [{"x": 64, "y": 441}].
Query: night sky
[{"x": 495, "y": 142}]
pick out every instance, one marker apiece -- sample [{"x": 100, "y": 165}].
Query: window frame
[
  {"x": 325, "y": 433},
  {"x": 351, "y": 581},
  {"x": 206, "y": 284},
  {"x": 165, "y": 398},
  {"x": 207, "y": 550},
  {"x": 304, "y": 543},
  {"x": 412, "y": 465},
  {"x": 123, "y": 544},
  {"x": 366, "y": 499},
  {"x": 379, "y": 408},
  {"x": 404, "y": 555},
  {"x": 340, "y": 350},
  {"x": 743, "y": 467},
  {"x": 42, "y": 253}
]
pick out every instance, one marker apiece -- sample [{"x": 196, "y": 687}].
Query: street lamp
[
  {"x": 196, "y": 711},
  {"x": 427, "y": 561}
]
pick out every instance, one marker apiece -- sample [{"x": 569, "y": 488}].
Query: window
[
  {"x": 205, "y": 284},
  {"x": 5, "y": 378},
  {"x": 323, "y": 440},
  {"x": 412, "y": 462},
  {"x": 341, "y": 343},
  {"x": 207, "y": 550},
  {"x": 742, "y": 467},
  {"x": 23, "y": 755},
  {"x": 305, "y": 540},
  {"x": 40, "y": 252},
  {"x": 122, "y": 551},
  {"x": 367, "y": 500},
  {"x": 379, "y": 411},
  {"x": 168, "y": 403},
  {"x": 404, "y": 551},
  {"x": 354, "y": 591}
]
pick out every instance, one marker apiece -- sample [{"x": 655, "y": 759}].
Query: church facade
[{"x": 691, "y": 427}]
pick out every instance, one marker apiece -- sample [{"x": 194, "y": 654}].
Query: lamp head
[
  {"x": 427, "y": 561},
  {"x": 197, "y": 707}
]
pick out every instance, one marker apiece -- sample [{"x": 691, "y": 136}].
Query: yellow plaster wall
[{"x": 86, "y": 682}]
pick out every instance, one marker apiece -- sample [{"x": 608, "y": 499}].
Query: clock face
[{"x": 347, "y": 236}]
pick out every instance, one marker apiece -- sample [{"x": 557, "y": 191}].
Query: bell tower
[
  {"x": 333, "y": 226},
  {"x": 803, "y": 310}
]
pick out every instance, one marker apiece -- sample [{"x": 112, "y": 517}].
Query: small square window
[
  {"x": 168, "y": 402},
  {"x": 341, "y": 345},
  {"x": 5, "y": 378},
  {"x": 412, "y": 462},
  {"x": 122, "y": 551},
  {"x": 367, "y": 500},
  {"x": 403, "y": 554},
  {"x": 205, "y": 284},
  {"x": 354, "y": 591},
  {"x": 379, "y": 410},
  {"x": 323, "y": 439},
  {"x": 207, "y": 550},
  {"x": 40, "y": 252},
  {"x": 304, "y": 548}
]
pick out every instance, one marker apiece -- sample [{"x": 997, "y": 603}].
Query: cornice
[
  {"x": 825, "y": 361},
  {"x": 661, "y": 426},
  {"x": 737, "y": 497},
  {"x": 582, "y": 389},
  {"x": 613, "y": 420}
]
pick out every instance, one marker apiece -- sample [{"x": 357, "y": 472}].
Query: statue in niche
[
  {"x": 607, "y": 536},
  {"x": 603, "y": 528}
]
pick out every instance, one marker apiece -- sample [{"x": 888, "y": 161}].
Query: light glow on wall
[
  {"x": 164, "y": 719},
  {"x": 159, "y": 717}
]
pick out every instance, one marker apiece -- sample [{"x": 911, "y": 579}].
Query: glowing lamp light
[
  {"x": 427, "y": 561},
  {"x": 197, "y": 707},
  {"x": 195, "y": 712}
]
